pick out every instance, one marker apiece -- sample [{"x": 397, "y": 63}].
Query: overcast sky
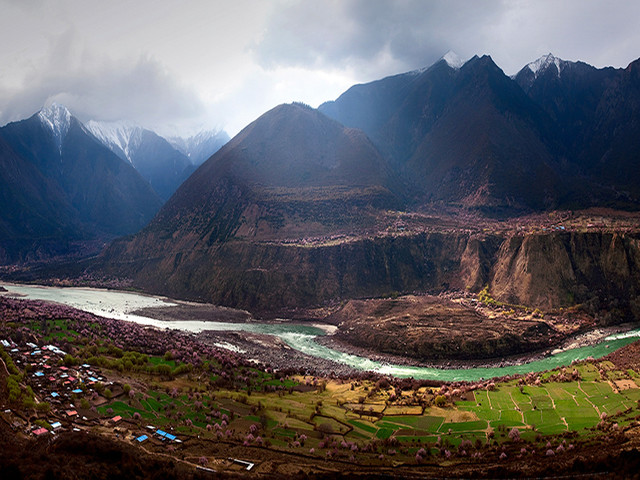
[{"x": 184, "y": 65}]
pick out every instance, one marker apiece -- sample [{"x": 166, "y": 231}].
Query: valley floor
[
  {"x": 106, "y": 395},
  {"x": 415, "y": 330}
]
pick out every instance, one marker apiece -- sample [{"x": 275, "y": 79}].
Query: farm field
[{"x": 366, "y": 413}]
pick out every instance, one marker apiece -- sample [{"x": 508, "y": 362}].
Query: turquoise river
[{"x": 118, "y": 305}]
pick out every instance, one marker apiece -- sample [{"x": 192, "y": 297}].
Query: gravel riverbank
[{"x": 273, "y": 351}]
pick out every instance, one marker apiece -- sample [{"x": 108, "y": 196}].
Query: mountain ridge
[
  {"x": 419, "y": 122},
  {"x": 163, "y": 166},
  {"x": 96, "y": 194}
]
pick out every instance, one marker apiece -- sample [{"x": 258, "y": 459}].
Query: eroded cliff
[{"x": 543, "y": 270}]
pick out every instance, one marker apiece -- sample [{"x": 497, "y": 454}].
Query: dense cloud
[
  {"x": 374, "y": 35},
  {"x": 378, "y": 36},
  {"x": 94, "y": 86}
]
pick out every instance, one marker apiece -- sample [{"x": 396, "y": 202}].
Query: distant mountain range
[
  {"x": 557, "y": 134},
  {"x": 201, "y": 146},
  {"x": 157, "y": 160},
  {"x": 64, "y": 184},
  {"x": 164, "y": 163}
]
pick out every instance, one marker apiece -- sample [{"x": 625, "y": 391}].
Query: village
[
  {"x": 70, "y": 399},
  {"x": 61, "y": 391}
]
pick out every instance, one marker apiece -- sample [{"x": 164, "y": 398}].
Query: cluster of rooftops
[
  {"x": 54, "y": 382},
  {"x": 61, "y": 385},
  {"x": 160, "y": 434}
]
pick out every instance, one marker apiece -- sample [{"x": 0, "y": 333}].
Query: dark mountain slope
[
  {"x": 36, "y": 220},
  {"x": 492, "y": 146},
  {"x": 160, "y": 164},
  {"x": 396, "y": 112},
  {"x": 465, "y": 135},
  {"x": 613, "y": 153},
  {"x": 107, "y": 193},
  {"x": 569, "y": 92},
  {"x": 596, "y": 113}
]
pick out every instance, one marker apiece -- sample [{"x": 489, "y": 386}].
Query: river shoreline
[
  {"x": 188, "y": 311},
  {"x": 583, "y": 339},
  {"x": 272, "y": 350}
]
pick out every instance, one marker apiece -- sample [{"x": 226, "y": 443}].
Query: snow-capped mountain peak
[
  {"x": 544, "y": 62},
  {"x": 123, "y": 137},
  {"x": 201, "y": 146},
  {"x": 56, "y": 118},
  {"x": 453, "y": 60}
]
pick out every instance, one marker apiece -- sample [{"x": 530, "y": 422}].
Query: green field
[{"x": 547, "y": 409}]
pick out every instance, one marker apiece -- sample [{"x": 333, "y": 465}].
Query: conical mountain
[
  {"x": 293, "y": 172},
  {"x": 292, "y": 177},
  {"x": 297, "y": 146}
]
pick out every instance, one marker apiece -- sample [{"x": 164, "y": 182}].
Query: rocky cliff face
[
  {"x": 562, "y": 269},
  {"x": 268, "y": 276},
  {"x": 551, "y": 270}
]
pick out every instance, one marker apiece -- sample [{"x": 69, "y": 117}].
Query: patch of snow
[
  {"x": 123, "y": 138},
  {"x": 453, "y": 60},
  {"x": 545, "y": 62},
  {"x": 56, "y": 118}
]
